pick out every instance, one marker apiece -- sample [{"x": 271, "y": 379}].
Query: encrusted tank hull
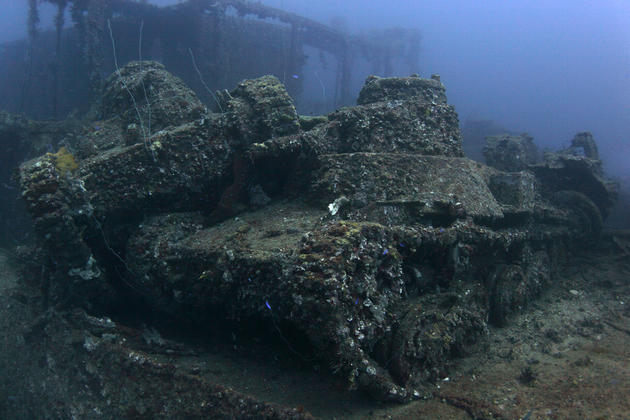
[{"x": 366, "y": 231}]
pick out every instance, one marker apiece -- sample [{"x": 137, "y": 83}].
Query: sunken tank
[{"x": 364, "y": 237}]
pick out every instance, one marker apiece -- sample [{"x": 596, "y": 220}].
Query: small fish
[
  {"x": 268, "y": 305},
  {"x": 385, "y": 251},
  {"x": 295, "y": 76}
]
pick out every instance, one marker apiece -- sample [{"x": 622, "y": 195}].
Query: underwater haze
[
  {"x": 549, "y": 68},
  {"x": 277, "y": 209}
]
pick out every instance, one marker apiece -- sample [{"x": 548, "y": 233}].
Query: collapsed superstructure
[{"x": 365, "y": 231}]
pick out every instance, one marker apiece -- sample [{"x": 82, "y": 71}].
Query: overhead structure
[{"x": 230, "y": 40}]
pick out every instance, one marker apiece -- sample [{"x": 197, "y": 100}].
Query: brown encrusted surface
[
  {"x": 173, "y": 170},
  {"x": 384, "y": 265},
  {"x": 510, "y": 153},
  {"x": 259, "y": 109},
  {"x": 147, "y": 96},
  {"x": 433, "y": 182},
  {"x": 397, "y": 126},
  {"x": 377, "y": 89},
  {"x": 366, "y": 295},
  {"x": 573, "y": 343}
]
